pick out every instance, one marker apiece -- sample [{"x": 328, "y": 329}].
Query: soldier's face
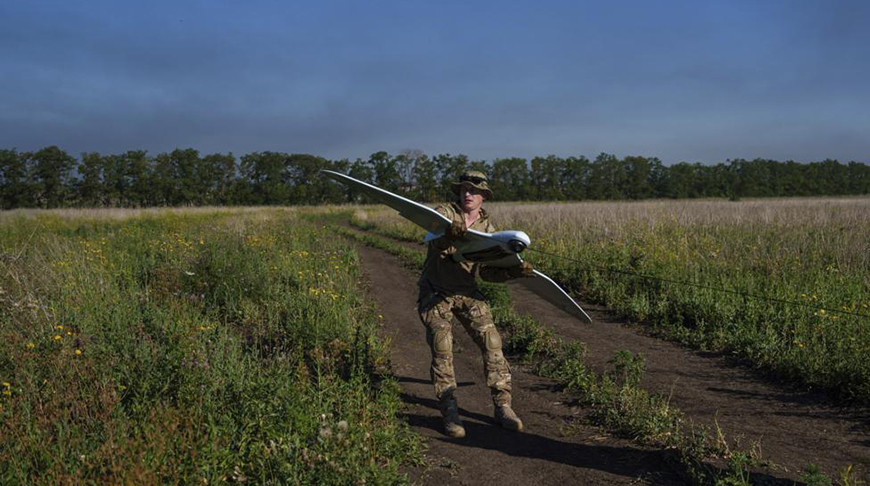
[{"x": 470, "y": 198}]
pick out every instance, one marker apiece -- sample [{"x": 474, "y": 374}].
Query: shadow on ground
[{"x": 484, "y": 433}]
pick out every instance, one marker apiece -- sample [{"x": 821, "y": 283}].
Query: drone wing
[
  {"x": 550, "y": 291},
  {"x": 424, "y": 217}
]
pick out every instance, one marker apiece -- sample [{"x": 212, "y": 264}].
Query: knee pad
[
  {"x": 492, "y": 340},
  {"x": 442, "y": 340}
]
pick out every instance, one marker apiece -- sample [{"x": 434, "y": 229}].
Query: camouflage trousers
[{"x": 437, "y": 313}]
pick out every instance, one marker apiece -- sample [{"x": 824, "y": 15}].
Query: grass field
[
  {"x": 213, "y": 345},
  {"x": 190, "y": 347},
  {"x": 713, "y": 274}
]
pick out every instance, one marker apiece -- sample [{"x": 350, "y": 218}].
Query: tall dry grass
[
  {"x": 842, "y": 225},
  {"x": 120, "y": 214}
]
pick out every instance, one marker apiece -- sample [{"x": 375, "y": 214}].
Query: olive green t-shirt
[{"x": 443, "y": 275}]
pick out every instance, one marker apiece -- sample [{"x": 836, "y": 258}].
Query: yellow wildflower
[
  {"x": 59, "y": 326},
  {"x": 57, "y": 338},
  {"x": 78, "y": 352},
  {"x": 7, "y": 384},
  {"x": 30, "y": 345}
]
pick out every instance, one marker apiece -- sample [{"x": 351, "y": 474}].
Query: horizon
[{"x": 238, "y": 156}]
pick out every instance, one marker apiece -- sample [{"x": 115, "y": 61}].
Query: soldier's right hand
[
  {"x": 456, "y": 229},
  {"x": 523, "y": 270}
]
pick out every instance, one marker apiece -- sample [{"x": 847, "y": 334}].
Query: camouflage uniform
[{"x": 447, "y": 290}]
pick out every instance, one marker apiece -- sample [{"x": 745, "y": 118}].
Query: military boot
[
  {"x": 452, "y": 423},
  {"x": 507, "y": 418}
]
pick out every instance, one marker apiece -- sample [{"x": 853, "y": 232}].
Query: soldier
[{"x": 448, "y": 289}]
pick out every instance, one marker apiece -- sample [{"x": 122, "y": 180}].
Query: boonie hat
[{"x": 475, "y": 179}]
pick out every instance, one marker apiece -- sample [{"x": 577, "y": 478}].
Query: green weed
[{"x": 191, "y": 348}]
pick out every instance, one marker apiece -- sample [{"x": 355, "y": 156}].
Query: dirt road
[{"x": 794, "y": 429}]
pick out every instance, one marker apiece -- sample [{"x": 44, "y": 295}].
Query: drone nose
[{"x": 517, "y": 246}]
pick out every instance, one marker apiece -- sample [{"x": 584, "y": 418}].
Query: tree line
[{"x": 52, "y": 178}]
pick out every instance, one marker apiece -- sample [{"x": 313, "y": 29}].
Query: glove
[
  {"x": 456, "y": 229},
  {"x": 524, "y": 269}
]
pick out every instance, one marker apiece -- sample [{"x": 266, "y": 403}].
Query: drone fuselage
[{"x": 501, "y": 246}]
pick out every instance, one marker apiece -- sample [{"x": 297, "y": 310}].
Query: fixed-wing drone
[{"x": 499, "y": 249}]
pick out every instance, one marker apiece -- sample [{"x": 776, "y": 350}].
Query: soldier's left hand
[{"x": 456, "y": 230}]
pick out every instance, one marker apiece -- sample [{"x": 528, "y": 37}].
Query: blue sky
[{"x": 681, "y": 80}]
